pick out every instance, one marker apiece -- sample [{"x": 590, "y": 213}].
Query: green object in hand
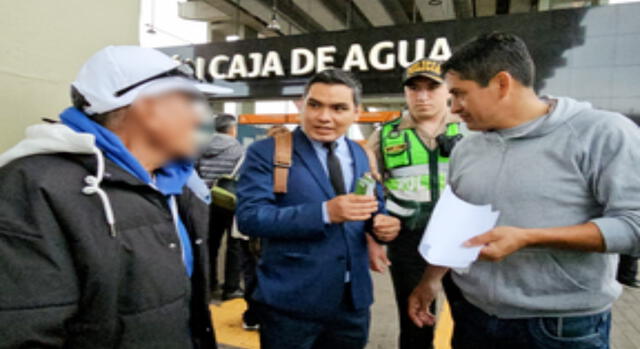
[{"x": 365, "y": 185}]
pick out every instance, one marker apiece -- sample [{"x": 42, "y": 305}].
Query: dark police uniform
[{"x": 415, "y": 169}]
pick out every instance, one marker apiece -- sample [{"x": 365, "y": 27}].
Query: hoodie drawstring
[{"x": 93, "y": 188}]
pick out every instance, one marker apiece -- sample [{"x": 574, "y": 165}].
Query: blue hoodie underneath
[{"x": 169, "y": 180}]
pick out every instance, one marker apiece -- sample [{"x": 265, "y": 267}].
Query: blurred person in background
[
  {"x": 102, "y": 240},
  {"x": 219, "y": 157}
]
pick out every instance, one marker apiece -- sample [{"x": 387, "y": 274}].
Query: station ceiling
[{"x": 308, "y": 16}]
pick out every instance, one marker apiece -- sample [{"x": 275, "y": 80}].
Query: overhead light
[
  {"x": 274, "y": 25},
  {"x": 152, "y": 20},
  {"x": 150, "y": 29},
  {"x": 233, "y": 37}
]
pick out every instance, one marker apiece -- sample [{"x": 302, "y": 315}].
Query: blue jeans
[{"x": 476, "y": 329}]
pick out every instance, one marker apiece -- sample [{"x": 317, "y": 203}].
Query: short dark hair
[
  {"x": 337, "y": 77},
  {"x": 78, "y": 100},
  {"x": 489, "y": 54},
  {"x": 80, "y": 103},
  {"x": 224, "y": 122}
]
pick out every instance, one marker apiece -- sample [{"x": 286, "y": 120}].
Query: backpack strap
[
  {"x": 237, "y": 167},
  {"x": 282, "y": 161}
]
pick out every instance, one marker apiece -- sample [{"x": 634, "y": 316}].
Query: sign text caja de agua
[
  {"x": 382, "y": 56},
  {"x": 279, "y": 67}
]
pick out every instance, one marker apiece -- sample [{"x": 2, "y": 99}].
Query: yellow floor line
[
  {"x": 228, "y": 320},
  {"x": 444, "y": 328}
]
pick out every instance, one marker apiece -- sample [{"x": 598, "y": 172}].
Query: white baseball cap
[{"x": 116, "y": 76}]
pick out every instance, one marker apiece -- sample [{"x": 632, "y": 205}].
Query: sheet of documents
[{"x": 453, "y": 222}]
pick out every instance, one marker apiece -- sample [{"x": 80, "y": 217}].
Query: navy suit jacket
[{"x": 303, "y": 263}]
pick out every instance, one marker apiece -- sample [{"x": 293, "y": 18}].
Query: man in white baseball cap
[{"x": 102, "y": 236}]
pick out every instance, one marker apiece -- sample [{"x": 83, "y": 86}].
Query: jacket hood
[
  {"x": 80, "y": 135},
  {"x": 170, "y": 179},
  {"x": 218, "y": 144},
  {"x": 59, "y": 138},
  {"x": 564, "y": 109},
  {"x": 50, "y": 139}
]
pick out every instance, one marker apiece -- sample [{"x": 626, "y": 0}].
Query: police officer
[{"x": 413, "y": 154}]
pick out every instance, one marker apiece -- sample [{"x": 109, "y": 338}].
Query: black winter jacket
[{"x": 65, "y": 281}]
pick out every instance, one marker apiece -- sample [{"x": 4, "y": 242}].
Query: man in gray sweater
[{"x": 562, "y": 175}]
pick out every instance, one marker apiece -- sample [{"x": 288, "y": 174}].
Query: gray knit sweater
[{"x": 219, "y": 157}]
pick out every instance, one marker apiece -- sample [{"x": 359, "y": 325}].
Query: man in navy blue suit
[{"x": 314, "y": 285}]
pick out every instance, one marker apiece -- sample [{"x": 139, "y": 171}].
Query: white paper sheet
[{"x": 453, "y": 222}]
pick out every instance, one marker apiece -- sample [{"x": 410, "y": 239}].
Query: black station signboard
[{"x": 588, "y": 53}]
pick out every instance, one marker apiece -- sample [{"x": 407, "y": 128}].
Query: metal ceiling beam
[
  {"x": 296, "y": 14},
  {"x": 321, "y": 14},
  {"x": 396, "y": 11},
  {"x": 234, "y": 11},
  {"x": 340, "y": 9},
  {"x": 465, "y": 8},
  {"x": 375, "y": 11},
  {"x": 410, "y": 8}
]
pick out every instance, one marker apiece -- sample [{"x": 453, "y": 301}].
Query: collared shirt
[
  {"x": 346, "y": 165},
  {"x": 344, "y": 155},
  {"x": 408, "y": 122}
]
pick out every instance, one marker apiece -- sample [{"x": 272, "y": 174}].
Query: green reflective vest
[{"x": 415, "y": 175}]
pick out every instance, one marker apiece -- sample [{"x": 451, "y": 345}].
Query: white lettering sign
[
  {"x": 272, "y": 64},
  {"x": 375, "y": 56},
  {"x": 214, "y": 66},
  {"x": 355, "y": 58},
  {"x": 324, "y": 57},
  {"x": 381, "y": 56},
  {"x": 298, "y": 55}
]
